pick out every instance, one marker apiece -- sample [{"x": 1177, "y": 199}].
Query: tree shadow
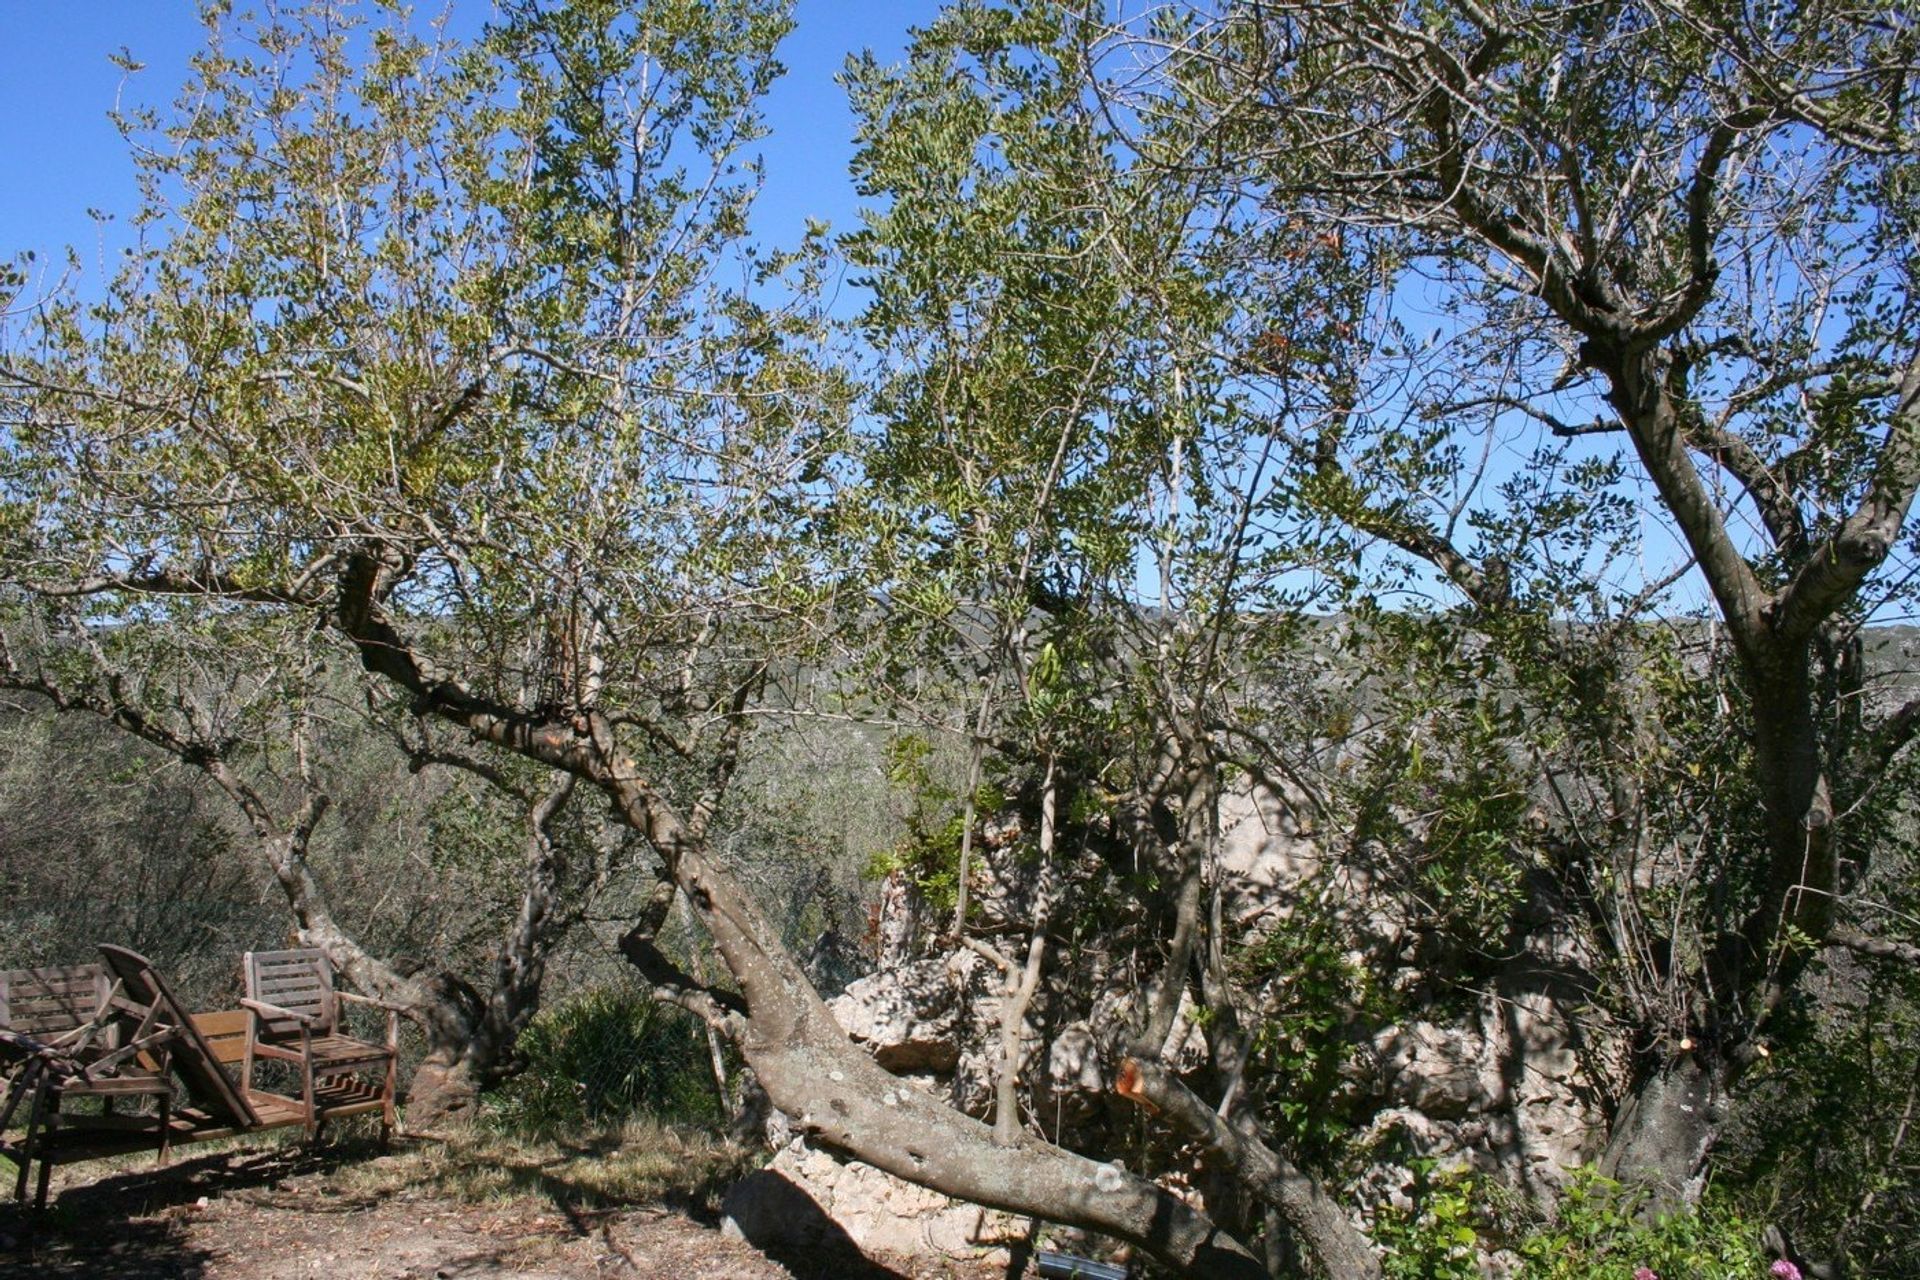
[
  {"x": 122, "y": 1223},
  {"x": 777, "y": 1217}
]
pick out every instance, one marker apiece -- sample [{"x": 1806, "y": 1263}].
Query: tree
[
  {"x": 1074, "y": 577},
  {"x": 430, "y": 350},
  {"x": 1671, "y": 253}
]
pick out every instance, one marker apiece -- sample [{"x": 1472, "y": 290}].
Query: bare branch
[
  {"x": 1834, "y": 570},
  {"x": 1879, "y": 948},
  {"x": 1340, "y": 1249}
]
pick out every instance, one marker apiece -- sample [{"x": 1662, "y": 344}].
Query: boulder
[
  {"x": 905, "y": 1016},
  {"x": 810, "y": 1200}
]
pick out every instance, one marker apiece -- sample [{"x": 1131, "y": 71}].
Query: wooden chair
[
  {"x": 140, "y": 1037},
  {"x": 70, "y": 1033},
  {"x": 296, "y": 1019}
]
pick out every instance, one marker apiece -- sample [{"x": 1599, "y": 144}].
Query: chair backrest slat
[
  {"x": 298, "y": 981},
  {"x": 52, "y": 1000}
]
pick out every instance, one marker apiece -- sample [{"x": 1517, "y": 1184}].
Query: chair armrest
[
  {"x": 261, "y": 1009},
  {"x": 388, "y": 1005},
  {"x": 138, "y": 1052}
]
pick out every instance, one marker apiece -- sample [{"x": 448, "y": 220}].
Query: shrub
[
  {"x": 604, "y": 1056},
  {"x": 1599, "y": 1235}
]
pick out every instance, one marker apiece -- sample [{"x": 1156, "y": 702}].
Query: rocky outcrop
[
  {"x": 809, "y": 1200},
  {"x": 906, "y": 1017},
  {"x": 1497, "y": 1081}
]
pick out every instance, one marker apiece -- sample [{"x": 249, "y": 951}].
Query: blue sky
[{"x": 60, "y": 155}]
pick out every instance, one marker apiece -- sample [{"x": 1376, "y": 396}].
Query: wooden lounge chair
[
  {"x": 216, "y": 1107},
  {"x": 67, "y": 1033},
  {"x": 196, "y": 1050},
  {"x": 206, "y": 1046},
  {"x": 296, "y": 1019}
]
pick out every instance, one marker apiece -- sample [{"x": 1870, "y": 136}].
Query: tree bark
[
  {"x": 836, "y": 1091},
  {"x": 1663, "y": 1132},
  {"x": 1336, "y": 1244}
]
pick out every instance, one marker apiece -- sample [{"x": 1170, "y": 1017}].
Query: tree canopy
[{"x": 1483, "y": 435}]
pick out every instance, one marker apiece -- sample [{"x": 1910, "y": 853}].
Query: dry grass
[{"x": 640, "y": 1162}]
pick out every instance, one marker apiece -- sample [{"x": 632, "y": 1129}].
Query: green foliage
[
  {"x": 1442, "y": 789},
  {"x": 1599, "y": 1233},
  {"x": 1825, "y": 1133},
  {"x": 1437, "y": 1236},
  {"x": 928, "y": 852},
  {"x": 1308, "y": 991},
  {"x": 604, "y": 1056}
]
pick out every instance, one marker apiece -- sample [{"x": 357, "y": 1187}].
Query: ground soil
[{"x": 284, "y": 1214}]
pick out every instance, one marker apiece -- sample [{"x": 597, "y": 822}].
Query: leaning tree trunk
[
  {"x": 838, "y": 1093},
  {"x": 1338, "y": 1247}
]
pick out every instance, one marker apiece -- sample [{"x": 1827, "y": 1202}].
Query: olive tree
[
  {"x": 1643, "y": 335},
  {"x": 455, "y": 356}
]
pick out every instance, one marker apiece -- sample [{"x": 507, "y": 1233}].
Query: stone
[
  {"x": 808, "y": 1199},
  {"x": 905, "y": 1017}
]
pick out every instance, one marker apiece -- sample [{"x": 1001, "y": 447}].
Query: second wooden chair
[{"x": 296, "y": 1019}]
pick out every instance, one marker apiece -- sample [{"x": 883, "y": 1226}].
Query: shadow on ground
[
  {"x": 786, "y": 1224},
  {"x": 129, "y": 1223},
  {"x": 142, "y": 1222}
]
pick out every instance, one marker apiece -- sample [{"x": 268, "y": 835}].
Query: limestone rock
[
  {"x": 905, "y": 1017},
  {"x": 808, "y": 1199}
]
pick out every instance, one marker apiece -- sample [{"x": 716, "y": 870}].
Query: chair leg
[
  {"x": 29, "y": 1141},
  {"x": 48, "y": 1127},
  {"x": 389, "y": 1121},
  {"x": 46, "y": 1177},
  {"x": 166, "y": 1130},
  {"x": 20, "y": 1086},
  {"x": 308, "y": 1086}
]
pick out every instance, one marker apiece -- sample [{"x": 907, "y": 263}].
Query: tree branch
[
  {"x": 1866, "y": 945},
  {"x": 1832, "y": 574},
  {"x": 1339, "y": 1248}
]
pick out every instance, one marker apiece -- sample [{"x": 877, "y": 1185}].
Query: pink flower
[
  {"x": 1645, "y": 1273},
  {"x": 1784, "y": 1270}
]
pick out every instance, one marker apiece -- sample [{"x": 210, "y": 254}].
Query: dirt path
[{"x": 286, "y": 1214}]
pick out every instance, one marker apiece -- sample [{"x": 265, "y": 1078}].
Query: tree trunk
[
  {"x": 1796, "y": 797},
  {"x": 835, "y": 1090},
  {"x": 1665, "y": 1129},
  {"x": 441, "y": 1096},
  {"x": 470, "y": 1037},
  {"x": 1336, "y": 1244}
]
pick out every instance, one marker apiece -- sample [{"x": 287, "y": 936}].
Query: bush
[
  {"x": 603, "y": 1057},
  {"x": 1596, "y": 1235}
]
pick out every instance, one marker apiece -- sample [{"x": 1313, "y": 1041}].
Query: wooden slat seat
[
  {"x": 341, "y": 1052},
  {"x": 296, "y": 1019}
]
